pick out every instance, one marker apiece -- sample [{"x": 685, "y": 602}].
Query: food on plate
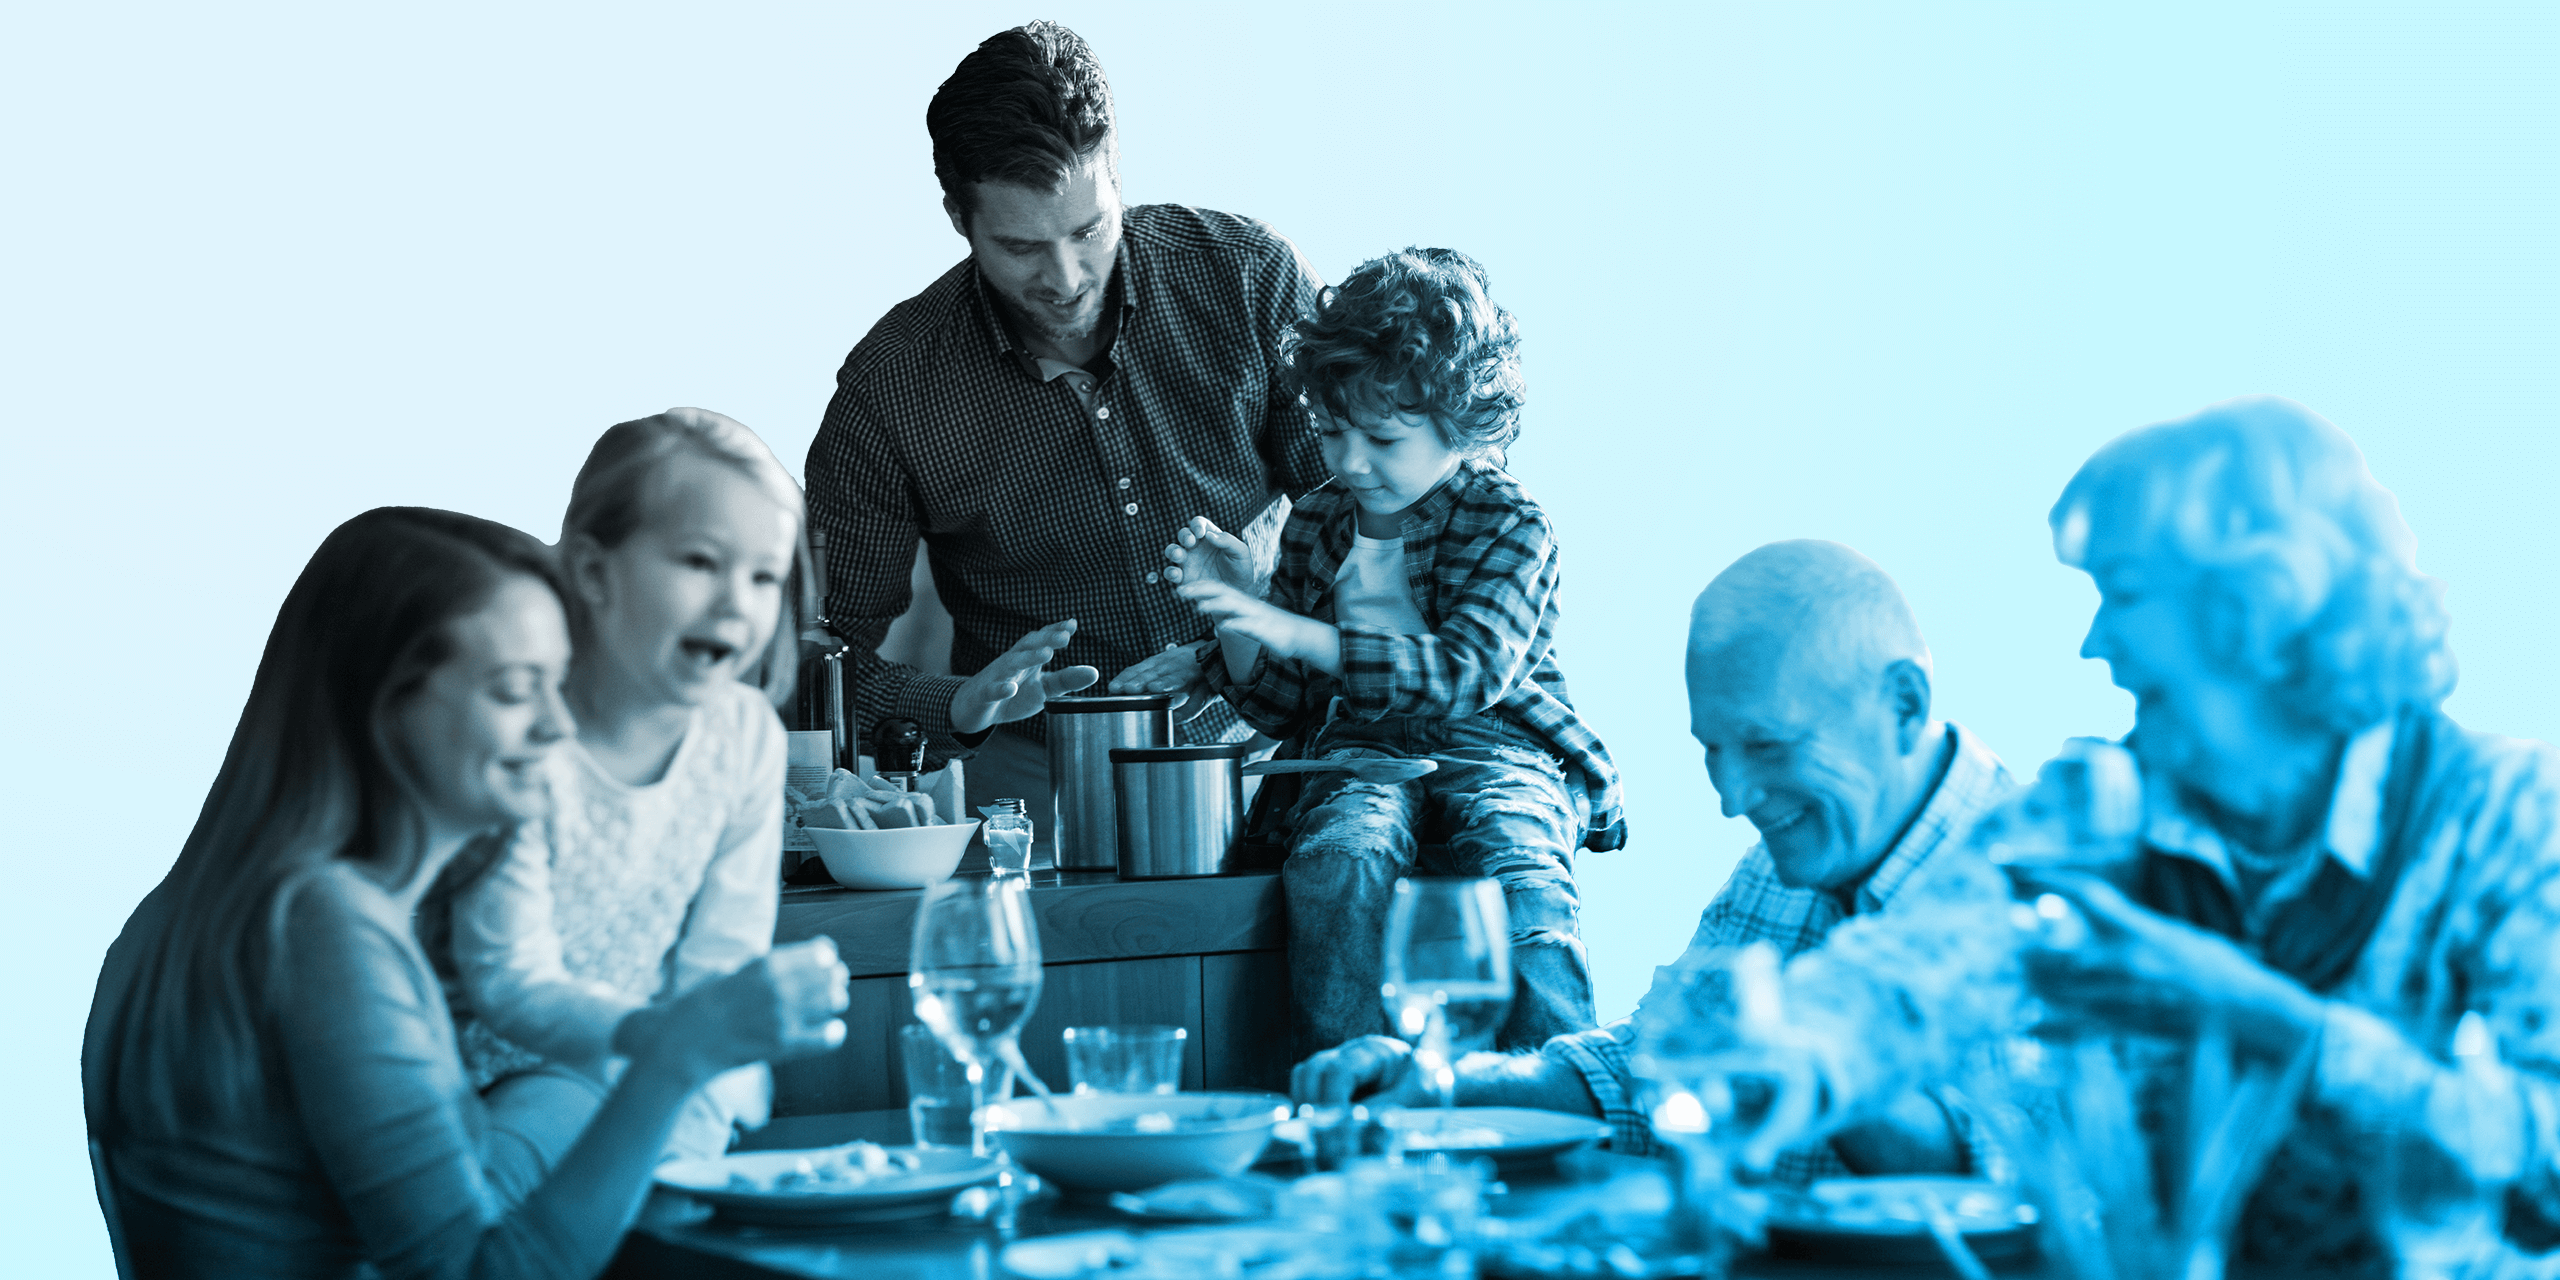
[
  {"x": 1888, "y": 1203},
  {"x": 1454, "y": 1138},
  {"x": 1204, "y": 1199},
  {"x": 850, "y": 802},
  {"x": 832, "y": 1171}
]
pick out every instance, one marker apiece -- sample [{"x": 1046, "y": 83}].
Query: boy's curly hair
[{"x": 1414, "y": 332}]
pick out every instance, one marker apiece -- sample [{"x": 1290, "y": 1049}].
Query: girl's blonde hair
[{"x": 611, "y": 497}]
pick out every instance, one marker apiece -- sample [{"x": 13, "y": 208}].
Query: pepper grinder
[{"x": 897, "y": 745}]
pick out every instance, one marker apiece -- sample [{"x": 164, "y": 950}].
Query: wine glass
[
  {"x": 975, "y": 973},
  {"x": 1447, "y": 972},
  {"x": 1721, "y": 1072}
]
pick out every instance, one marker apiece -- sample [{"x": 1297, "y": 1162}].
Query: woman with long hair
[{"x": 272, "y": 1083}]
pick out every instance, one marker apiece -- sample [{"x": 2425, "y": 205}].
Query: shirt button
[
  {"x": 1124, "y": 482},
  {"x": 1151, "y": 577},
  {"x": 1103, "y": 412},
  {"x": 1130, "y": 510}
]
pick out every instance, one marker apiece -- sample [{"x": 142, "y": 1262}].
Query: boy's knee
[
  {"x": 1542, "y": 937},
  {"x": 1357, "y": 822}
]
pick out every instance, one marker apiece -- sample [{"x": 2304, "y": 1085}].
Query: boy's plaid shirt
[{"x": 1481, "y": 561}]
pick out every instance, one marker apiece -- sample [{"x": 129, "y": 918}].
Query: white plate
[
  {"x": 1879, "y": 1219},
  {"x": 1503, "y": 1133},
  {"x": 1246, "y": 1252},
  {"x": 940, "y": 1173},
  {"x": 1131, "y": 1141}
]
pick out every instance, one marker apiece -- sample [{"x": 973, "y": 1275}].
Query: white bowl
[
  {"x": 1132, "y": 1141},
  {"x": 898, "y": 858}
]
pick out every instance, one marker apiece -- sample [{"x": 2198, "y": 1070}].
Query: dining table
[{"x": 676, "y": 1236}]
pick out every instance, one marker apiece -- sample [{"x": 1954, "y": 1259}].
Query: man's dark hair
[{"x": 1027, "y": 108}]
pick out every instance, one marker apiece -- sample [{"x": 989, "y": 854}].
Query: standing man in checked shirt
[
  {"x": 1809, "y": 690},
  {"x": 1091, "y": 374}
]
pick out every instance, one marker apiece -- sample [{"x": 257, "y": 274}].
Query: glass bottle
[{"x": 1008, "y": 834}]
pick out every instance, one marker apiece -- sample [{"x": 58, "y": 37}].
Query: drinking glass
[
  {"x": 938, "y": 1089},
  {"x": 1447, "y": 972},
  {"x": 975, "y": 973},
  {"x": 1125, "y": 1059}
]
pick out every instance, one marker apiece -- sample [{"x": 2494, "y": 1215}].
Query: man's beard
[{"x": 1032, "y": 321}]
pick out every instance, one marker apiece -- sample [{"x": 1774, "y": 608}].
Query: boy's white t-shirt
[{"x": 1372, "y": 588}]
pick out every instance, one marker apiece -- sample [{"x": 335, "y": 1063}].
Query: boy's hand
[
  {"x": 1013, "y": 686},
  {"x": 1176, "y": 671},
  {"x": 1284, "y": 634},
  {"x": 1203, "y": 552}
]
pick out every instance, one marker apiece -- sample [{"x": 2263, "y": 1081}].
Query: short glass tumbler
[
  {"x": 1125, "y": 1059},
  {"x": 937, "y": 1089}
]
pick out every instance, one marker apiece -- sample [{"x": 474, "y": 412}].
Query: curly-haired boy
[{"x": 1412, "y": 613}]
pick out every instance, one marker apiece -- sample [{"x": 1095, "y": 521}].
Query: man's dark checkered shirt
[
  {"x": 1035, "y": 508},
  {"x": 1481, "y": 562}
]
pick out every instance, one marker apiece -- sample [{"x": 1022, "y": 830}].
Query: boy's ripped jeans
[{"x": 1496, "y": 807}]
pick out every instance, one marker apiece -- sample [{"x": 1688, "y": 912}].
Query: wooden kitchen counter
[{"x": 1207, "y": 954}]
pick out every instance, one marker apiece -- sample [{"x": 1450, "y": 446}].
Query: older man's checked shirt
[{"x": 1755, "y": 906}]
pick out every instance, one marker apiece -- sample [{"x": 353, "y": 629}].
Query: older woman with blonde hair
[{"x": 2331, "y": 866}]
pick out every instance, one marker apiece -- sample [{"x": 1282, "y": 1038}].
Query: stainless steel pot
[
  {"x": 1181, "y": 808},
  {"x": 1082, "y": 733}
]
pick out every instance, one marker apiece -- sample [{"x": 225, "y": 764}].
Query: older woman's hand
[
  {"x": 779, "y": 1006},
  {"x": 2128, "y": 967}
]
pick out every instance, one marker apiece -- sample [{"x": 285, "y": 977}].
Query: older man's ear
[{"x": 1906, "y": 688}]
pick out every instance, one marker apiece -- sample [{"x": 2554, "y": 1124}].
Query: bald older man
[{"x": 1809, "y": 689}]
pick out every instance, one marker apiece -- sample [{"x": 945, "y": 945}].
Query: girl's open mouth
[{"x": 706, "y": 653}]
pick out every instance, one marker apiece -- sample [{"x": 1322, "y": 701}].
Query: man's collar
[
  {"x": 2351, "y": 836},
  {"x": 1048, "y": 370},
  {"x": 1974, "y": 781}
]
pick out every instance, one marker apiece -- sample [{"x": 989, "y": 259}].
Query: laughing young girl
[{"x": 659, "y": 866}]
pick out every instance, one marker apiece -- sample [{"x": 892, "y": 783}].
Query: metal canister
[
  {"x": 1181, "y": 808},
  {"x": 1082, "y": 733}
]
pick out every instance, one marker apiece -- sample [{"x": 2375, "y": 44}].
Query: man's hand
[
  {"x": 1282, "y": 633},
  {"x": 2136, "y": 969},
  {"x": 1013, "y": 686},
  {"x": 1203, "y": 552},
  {"x": 1176, "y": 671},
  {"x": 1373, "y": 1069}
]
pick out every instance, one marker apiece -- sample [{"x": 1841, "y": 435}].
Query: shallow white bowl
[
  {"x": 898, "y": 858},
  {"x": 1099, "y": 1142}
]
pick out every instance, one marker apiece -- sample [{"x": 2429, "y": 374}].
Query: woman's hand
[
  {"x": 1013, "y": 686},
  {"x": 2142, "y": 971},
  {"x": 779, "y": 1006},
  {"x": 1284, "y": 634},
  {"x": 1203, "y": 552}
]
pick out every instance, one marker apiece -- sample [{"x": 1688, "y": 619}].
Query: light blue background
[{"x": 1883, "y": 274}]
